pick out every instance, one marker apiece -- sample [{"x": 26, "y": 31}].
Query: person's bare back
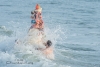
[{"x": 48, "y": 52}]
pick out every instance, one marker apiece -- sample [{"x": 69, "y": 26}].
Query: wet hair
[{"x": 49, "y": 43}]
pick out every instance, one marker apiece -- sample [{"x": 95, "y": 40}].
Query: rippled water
[{"x": 72, "y": 25}]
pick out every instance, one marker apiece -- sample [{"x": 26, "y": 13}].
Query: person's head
[
  {"x": 38, "y": 8},
  {"x": 49, "y": 43},
  {"x": 32, "y": 12}
]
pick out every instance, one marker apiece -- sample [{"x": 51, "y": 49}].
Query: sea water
[{"x": 72, "y": 25}]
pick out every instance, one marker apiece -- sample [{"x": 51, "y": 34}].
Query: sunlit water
[{"x": 72, "y": 25}]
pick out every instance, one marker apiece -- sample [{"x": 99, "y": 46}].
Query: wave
[
  {"x": 24, "y": 55},
  {"x": 5, "y": 31}
]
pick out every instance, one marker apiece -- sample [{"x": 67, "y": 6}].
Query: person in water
[
  {"x": 36, "y": 16},
  {"x": 48, "y": 51}
]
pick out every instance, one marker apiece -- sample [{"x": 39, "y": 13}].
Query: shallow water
[{"x": 72, "y": 25}]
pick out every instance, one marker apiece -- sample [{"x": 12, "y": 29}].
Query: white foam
[{"x": 11, "y": 51}]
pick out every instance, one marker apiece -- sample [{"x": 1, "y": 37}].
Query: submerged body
[{"x": 48, "y": 52}]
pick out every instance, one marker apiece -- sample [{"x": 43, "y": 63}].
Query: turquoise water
[{"x": 72, "y": 25}]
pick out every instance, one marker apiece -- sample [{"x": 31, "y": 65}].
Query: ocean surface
[{"x": 72, "y": 25}]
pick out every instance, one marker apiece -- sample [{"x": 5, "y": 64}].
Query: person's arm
[
  {"x": 41, "y": 21},
  {"x": 41, "y": 18},
  {"x": 42, "y": 49},
  {"x": 36, "y": 17},
  {"x": 32, "y": 16}
]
